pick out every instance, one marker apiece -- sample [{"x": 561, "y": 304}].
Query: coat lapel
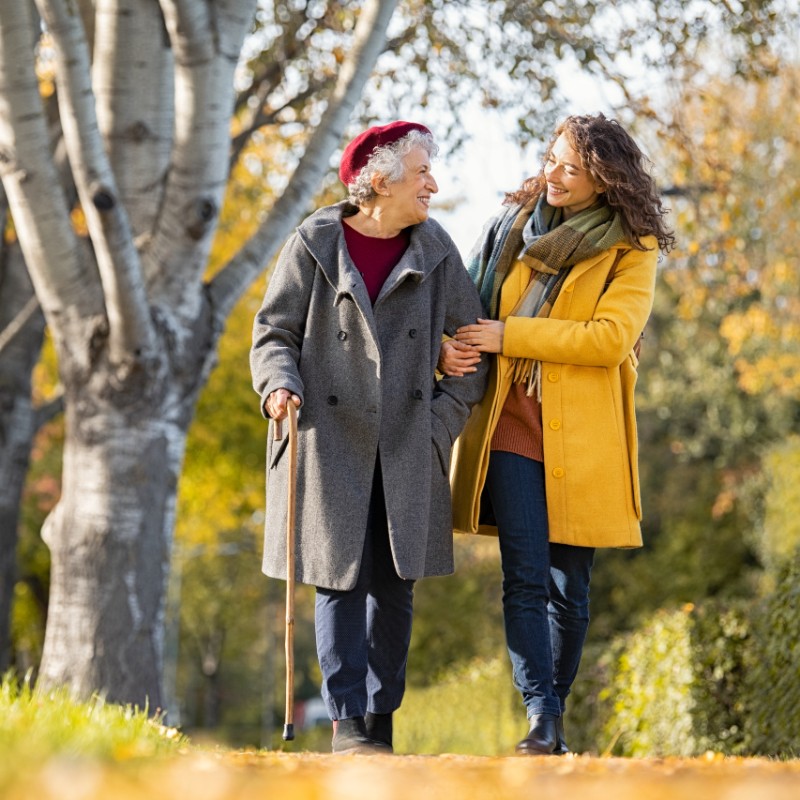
[
  {"x": 583, "y": 267},
  {"x": 322, "y": 234}
]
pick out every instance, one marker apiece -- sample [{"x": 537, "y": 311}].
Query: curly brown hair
[{"x": 615, "y": 161}]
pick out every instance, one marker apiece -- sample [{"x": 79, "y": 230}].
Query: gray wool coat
[{"x": 366, "y": 377}]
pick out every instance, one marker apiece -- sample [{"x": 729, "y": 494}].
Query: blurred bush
[
  {"x": 673, "y": 687},
  {"x": 772, "y": 681},
  {"x": 721, "y": 675},
  {"x": 473, "y": 709},
  {"x": 458, "y": 619},
  {"x": 780, "y": 535}
]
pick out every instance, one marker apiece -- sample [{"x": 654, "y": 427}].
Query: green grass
[{"x": 38, "y": 726}]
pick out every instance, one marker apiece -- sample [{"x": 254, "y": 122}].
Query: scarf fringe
[{"x": 528, "y": 371}]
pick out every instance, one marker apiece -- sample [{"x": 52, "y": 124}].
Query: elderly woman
[
  {"x": 548, "y": 460},
  {"x": 350, "y": 331}
]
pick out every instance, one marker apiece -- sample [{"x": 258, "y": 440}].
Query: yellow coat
[{"x": 588, "y": 380}]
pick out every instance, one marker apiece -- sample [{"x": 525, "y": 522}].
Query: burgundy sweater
[{"x": 375, "y": 258}]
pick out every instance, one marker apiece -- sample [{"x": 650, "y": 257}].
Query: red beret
[{"x": 357, "y": 153}]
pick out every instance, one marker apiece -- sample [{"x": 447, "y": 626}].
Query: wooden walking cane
[{"x": 291, "y": 408}]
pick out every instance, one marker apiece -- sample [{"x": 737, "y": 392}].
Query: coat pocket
[
  {"x": 628, "y": 376},
  {"x": 440, "y": 437},
  {"x": 275, "y": 448}
]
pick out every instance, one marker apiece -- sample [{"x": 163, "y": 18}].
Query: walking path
[{"x": 249, "y": 775}]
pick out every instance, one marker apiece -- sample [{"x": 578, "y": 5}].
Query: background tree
[{"x": 21, "y": 334}]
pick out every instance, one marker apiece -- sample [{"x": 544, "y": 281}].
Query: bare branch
[
  {"x": 86, "y": 8},
  {"x": 269, "y": 67},
  {"x": 262, "y": 118},
  {"x": 18, "y": 323},
  {"x": 130, "y": 327},
  {"x": 369, "y": 36}
]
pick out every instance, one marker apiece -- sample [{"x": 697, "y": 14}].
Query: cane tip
[{"x": 288, "y": 732}]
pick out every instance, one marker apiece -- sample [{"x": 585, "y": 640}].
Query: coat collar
[
  {"x": 323, "y": 236},
  {"x": 587, "y": 264}
]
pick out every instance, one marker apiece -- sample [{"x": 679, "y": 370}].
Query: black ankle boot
[
  {"x": 542, "y": 737},
  {"x": 379, "y": 728},
  {"x": 350, "y": 736},
  {"x": 561, "y": 747}
]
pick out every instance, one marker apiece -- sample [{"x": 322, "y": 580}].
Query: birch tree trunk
[{"x": 146, "y": 125}]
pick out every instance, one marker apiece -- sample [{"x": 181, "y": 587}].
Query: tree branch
[
  {"x": 369, "y": 35},
  {"x": 269, "y": 66},
  {"x": 190, "y": 30},
  {"x": 132, "y": 77},
  {"x": 32, "y": 183},
  {"x": 18, "y": 323},
  {"x": 130, "y": 327},
  {"x": 206, "y": 42},
  {"x": 261, "y": 118}
]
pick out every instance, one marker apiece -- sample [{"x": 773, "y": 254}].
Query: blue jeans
[
  {"x": 545, "y": 586},
  {"x": 363, "y": 634}
]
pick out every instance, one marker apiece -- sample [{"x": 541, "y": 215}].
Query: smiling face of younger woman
[{"x": 570, "y": 186}]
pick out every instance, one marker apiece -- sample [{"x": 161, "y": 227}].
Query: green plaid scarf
[{"x": 538, "y": 235}]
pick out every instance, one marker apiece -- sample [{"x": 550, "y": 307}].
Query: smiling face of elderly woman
[
  {"x": 409, "y": 198},
  {"x": 398, "y": 178}
]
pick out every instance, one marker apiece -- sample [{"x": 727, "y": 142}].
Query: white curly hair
[{"x": 388, "y": 161}]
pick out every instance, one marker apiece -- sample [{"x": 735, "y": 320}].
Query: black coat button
[
  {"x": 418, "y": 394},
  {"x": 333, "y": 400},
  {"x": 342, "y": 335},
  {"x": 412, "y": 333}
]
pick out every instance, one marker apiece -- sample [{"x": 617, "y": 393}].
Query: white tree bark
[
  {"x": 146, "y": 124},
  {"x": 130, "y": 331},
  {"x": 63, "y": 277},
  {"x": 206, "y": 43},
  {"x": 133, "y": 80}
]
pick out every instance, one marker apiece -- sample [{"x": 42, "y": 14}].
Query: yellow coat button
[
  {"x": 558, "y": 472},
  {"x": 555, "y": 424},
  {"x": 569, "y": 288},
  {"x": 552, "y": 377}
]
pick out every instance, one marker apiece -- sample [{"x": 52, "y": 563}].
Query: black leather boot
[
  {"x": 561, "y": 747},
  {"x": 379, "y": 728},
  {"x": 350, "y": 736},
  {"x": 542, "y": 737}
]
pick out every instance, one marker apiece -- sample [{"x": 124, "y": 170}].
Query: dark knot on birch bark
[
  {"x": 203, "y": 213},
  {"x": 102, "y": 198}
]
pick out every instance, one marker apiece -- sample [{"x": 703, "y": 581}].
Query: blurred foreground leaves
[{"x": 252, "y": 775}]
